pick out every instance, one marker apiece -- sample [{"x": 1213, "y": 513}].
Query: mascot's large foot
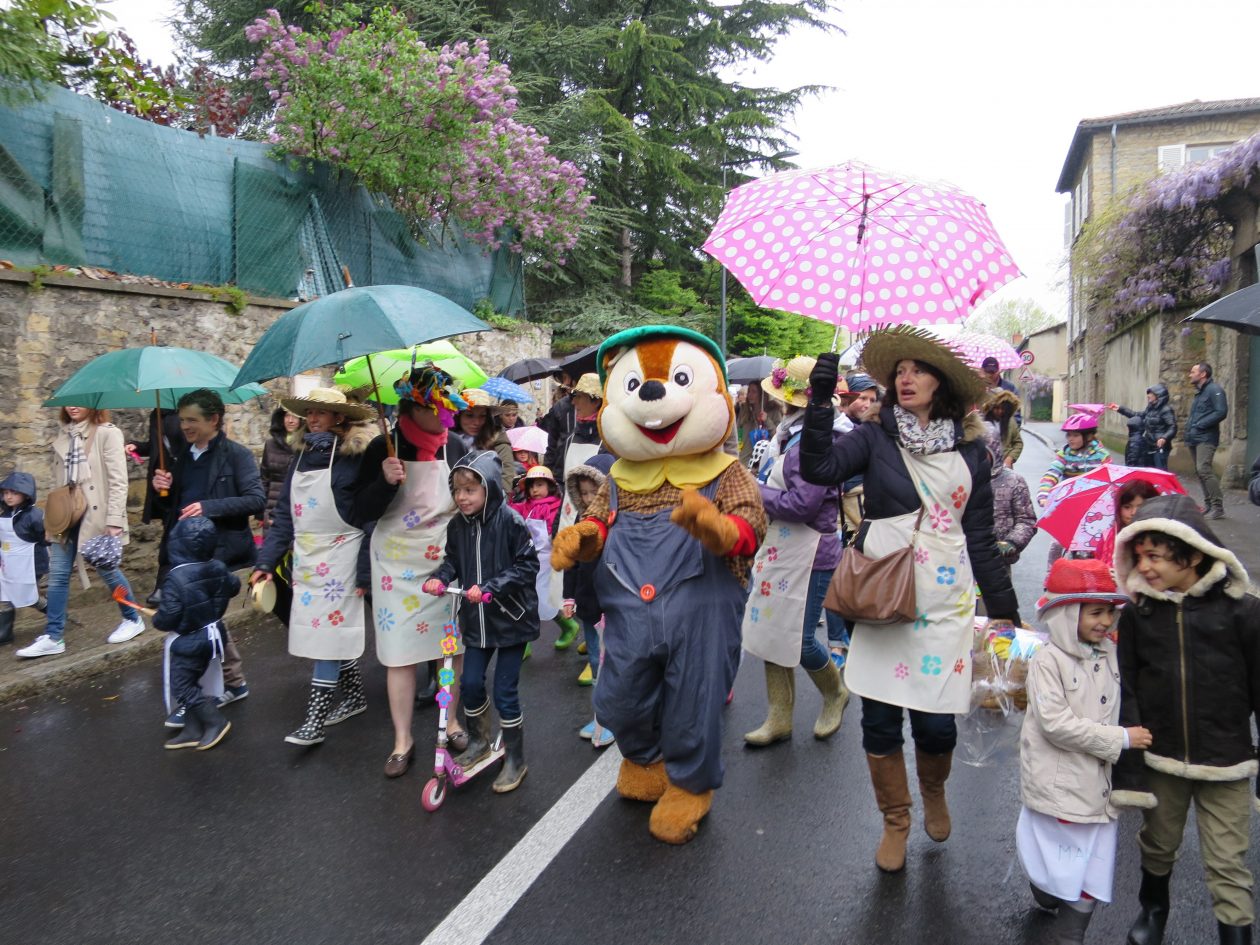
[
  {"x": 642, "y": 782},
  {"x": 677, "y": 815}
]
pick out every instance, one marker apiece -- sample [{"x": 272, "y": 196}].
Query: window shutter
[
  {"x": 1171, "y": 156},
  {"x": 1084, "y": 196},
  {"x": 1067, "y": 224}
]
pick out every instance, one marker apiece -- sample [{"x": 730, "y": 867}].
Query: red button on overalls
[{"x": 647, "y": 592}]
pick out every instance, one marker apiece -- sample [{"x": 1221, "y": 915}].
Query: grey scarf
[{"x": 937, "y": 437}]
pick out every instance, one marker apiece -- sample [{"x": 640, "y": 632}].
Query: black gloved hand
[{"x": 822, "y": 379}]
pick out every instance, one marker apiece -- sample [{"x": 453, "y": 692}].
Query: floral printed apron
[
  {"x": 774, "y": 617},
  {"x": 17, "y": 567},
  {"x": 327, "y": 621},
  {"x": 575, "y": 455},
  {"x": 924, "y": 664},
  {"x": 407, "y": 547}
]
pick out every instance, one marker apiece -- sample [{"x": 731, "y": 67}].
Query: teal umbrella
[
  {"x": 354, "y": 322},
  {"x": 152, "y": 376}
]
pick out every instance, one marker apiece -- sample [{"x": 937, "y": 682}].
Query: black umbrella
[
  {"x": 529, "y": 369},
  {"x": 579, "y": 363},
  {"x": 749, "y": 370},
  {"x": 1239, "y": 310}
]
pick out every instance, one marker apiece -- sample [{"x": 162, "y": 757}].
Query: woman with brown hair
[
  {"x": 480, "y": 429},
  {"x": 88, "y": 452}
]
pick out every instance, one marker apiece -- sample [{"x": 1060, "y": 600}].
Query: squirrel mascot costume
[{"x": 674, "y": 530}]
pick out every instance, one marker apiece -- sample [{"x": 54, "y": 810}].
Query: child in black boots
[
  {"x": 490, "y": 553},
  {"x": 23, "y": 550},
  {"x": 195, "y": 596}
]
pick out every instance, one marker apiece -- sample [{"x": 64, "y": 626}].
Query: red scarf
[{"x": 426, "y": 444}]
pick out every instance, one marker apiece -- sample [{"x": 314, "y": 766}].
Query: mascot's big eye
[
  {"x": 632, "y": 382},
  {"x": 682, "y": 376}
]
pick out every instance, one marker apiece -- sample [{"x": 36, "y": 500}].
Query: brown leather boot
[
  {"x": 892, "y": 794},
  {"x": 933, "y": 773}
]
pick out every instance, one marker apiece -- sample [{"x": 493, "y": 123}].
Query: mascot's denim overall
[{"x": 672, "y": 615}]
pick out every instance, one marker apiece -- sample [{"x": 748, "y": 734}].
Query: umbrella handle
[
  {"x": 380, "y": 411},
  {"x": 157, "y": 410}
]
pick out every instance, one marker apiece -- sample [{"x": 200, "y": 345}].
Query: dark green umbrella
[
  {"x": 152, "y": 376},
  {"x": 351, "y": 323}
]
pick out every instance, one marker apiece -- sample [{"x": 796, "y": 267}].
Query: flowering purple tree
[
  {"x": 431, "y": 130},
  {"x": 1168, "y": 244}
]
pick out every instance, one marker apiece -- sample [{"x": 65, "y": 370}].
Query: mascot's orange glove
[
  {"x": 718, "y": 533},
  {"x": 580, "y": 542}
]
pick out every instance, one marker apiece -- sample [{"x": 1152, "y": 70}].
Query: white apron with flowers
[
  {"x": 575, "y": 455},
  {"x": 326, "y": 621},
  {"x": 408, "y": 545},
  {"x": 924, "y": 664},
  {"x": 774, "y": 617}
]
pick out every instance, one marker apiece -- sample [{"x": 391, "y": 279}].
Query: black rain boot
[
  {"x": 311, "y": 731},
  {"x": 514, "y": 770},
  {"x": 1234, "y": 934},
  {"x": 190, "y": 735},
  {"x": 1043, "y": 899},
  {"x": 7, "y": 617},
  {"x": 426, "y": 695},
  {"x": 479, "y": 722},
  {"x": 354, "y": 701},
  {"x": 214, "y": 724},
  {"x": 1148, "y": 929},
  {"x": 1070, "y": 924}
]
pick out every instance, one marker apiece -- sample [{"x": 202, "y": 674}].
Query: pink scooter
[{"x": 444, "y": 767}]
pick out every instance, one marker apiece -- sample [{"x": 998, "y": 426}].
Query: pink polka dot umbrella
[{"x": 860, "y": 248}]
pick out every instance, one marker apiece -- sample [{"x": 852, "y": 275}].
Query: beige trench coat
[{"x": 105, "y": 481}]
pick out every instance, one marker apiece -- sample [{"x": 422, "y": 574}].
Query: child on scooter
[
  {"x": 490, "y": 553},
  {"x": 23, "y": 550}
]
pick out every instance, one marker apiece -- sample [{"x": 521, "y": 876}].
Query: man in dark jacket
[
  {"x": 218, "y": 479},
  {"x": 195, "y": 596},
  {"x": 1189, "y": 658},
  {"x": 1203, "y": 434}
]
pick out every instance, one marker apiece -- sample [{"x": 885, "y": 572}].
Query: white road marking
[{"x": 476, "y": 916}]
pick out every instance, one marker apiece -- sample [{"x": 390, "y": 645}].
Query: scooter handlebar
[{"x": 460, "y": 592}]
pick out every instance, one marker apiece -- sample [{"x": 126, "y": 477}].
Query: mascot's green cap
[{"x": 633, "y": 336}]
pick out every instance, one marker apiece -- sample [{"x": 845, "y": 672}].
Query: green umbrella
[
  {"x": 351, "y": 323},
  {"x": 392, "y": 366},
  {"x": 152, "y": 376}
]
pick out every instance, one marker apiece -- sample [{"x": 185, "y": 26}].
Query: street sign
[
  {"x": 1027, "y": 357},
  {"x": 1026, "y": 374}
]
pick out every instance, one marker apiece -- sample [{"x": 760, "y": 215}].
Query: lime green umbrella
[
  {"x": 152, "y": 376},
  {"x": 393, "y": 366}
]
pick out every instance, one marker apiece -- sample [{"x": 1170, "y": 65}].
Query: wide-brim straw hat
[
  {"x": 476, "y": 397},
  {"x": 589, "y": 385},
  {"x": 789, "y": 383},
  {"x": 887, "y": 346},
  {"x": 326, "y": 398}
]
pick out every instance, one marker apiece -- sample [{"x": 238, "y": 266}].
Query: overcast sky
[{"x": 983, "y": 93}]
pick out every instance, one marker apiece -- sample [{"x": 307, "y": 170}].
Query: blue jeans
[
  {"x": 591, "y": 635},
  {"x": 507, "y": 677},
  {"x": 61, "y": 556},
  {"x": 1159, "y": 457},
  {"x": 328, "y": 672},
  {"x": 814, "y": 654},
  {"x": 934, "y": 733}
]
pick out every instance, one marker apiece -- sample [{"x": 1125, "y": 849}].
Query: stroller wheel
[{"x": 434, "y": 794}]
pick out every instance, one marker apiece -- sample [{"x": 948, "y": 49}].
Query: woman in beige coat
[
  {"x": 88, "y": 450},
  {"x": 1066, "y": 835}
]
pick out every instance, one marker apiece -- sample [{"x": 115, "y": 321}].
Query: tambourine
[{"x": 262, "y": 596}]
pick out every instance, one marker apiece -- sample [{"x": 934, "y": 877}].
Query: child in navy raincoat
[{"x": 23, "y": 550}]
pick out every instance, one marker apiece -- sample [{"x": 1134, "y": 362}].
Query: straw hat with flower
[
  {"x": 789, "y": 382},
  {"x": 589, "y": 384},
  {"x": 326, "y": 398},
  {"x": 888, "y": 346}
]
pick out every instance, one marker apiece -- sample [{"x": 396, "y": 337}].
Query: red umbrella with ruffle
[{"x": 1080, "y": 510}]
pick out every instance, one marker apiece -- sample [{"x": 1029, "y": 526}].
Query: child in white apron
[{"x": 23, "y": 550}]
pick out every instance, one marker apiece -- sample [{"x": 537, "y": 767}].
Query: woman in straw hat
[
  {"x": 479, "y": 427},
  {"x": 792, "y": 569},
  {"x": 410, "y": 499},
  {"x": 318, "y": 515},
  {"x": 927, "y": 486}
]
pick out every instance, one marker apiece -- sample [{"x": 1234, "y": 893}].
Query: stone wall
[{"x": 51, "y": 331}]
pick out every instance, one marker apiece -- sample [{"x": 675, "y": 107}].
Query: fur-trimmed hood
[
  {"x": 596, "y": 468},
  {"x": 1178, "y": 516},
  {"x": 353, "y": 443}
]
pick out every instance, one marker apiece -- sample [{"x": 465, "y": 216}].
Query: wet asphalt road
[{"x": 106, "y": 838}]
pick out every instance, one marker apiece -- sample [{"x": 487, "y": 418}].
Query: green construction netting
[{"x": 83, "y": 184}]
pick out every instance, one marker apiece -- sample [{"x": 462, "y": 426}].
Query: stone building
[{"x": 1107, "y": 158}]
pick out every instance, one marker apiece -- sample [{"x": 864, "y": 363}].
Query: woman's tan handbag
[
  {"x": 875, "y": 590},
  {"x": 63, "y": 508}
]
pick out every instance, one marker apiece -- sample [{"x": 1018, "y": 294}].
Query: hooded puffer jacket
[
  {"x": 28, "y": 518},
  {"x": 889, "y": 490},
  {"x": 492, "y": 550},
  {"x": 1070, "y": 737},
  {"x": 199, "y": 587},
  {"x": 1190, "y": 663}
]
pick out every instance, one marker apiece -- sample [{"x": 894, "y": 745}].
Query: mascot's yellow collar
[{"x": 684, "y": 472}]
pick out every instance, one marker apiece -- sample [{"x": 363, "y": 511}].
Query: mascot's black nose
[{"x": 651, "y": 390}]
